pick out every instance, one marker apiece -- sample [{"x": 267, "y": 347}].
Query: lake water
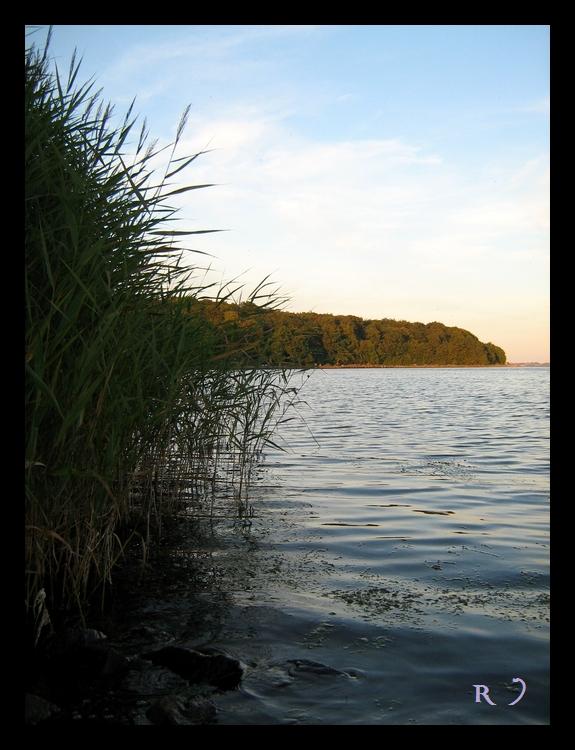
[{"x": 398, "y": 555}]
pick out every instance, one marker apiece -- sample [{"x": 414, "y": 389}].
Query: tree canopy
[{"x": 278, "y": 338}]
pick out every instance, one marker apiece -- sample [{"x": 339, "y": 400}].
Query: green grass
[{"x": 132, "y": 400}]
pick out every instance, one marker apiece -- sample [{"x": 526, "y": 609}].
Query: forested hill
[{"x": 276, "y": 337}]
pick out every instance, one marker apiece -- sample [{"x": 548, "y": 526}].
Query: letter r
[{"x": 482, "y": 691}]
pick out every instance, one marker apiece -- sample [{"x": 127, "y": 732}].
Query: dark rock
[
  {"x": 95, "y": 660},
  {"x": 90, "y": 637},
  {"x": 208, "y": 666},
  {"x": 137, "y": 663},
  {"x": 172, "y": 709},
  {"x": 167, "y": 710},
  {"x": 38, "y": 709},
  {"x": 114, "y": 664},
  {"x": 200, "y": 711},
  {"x": 146, "y": 634},
  {"x": 142, "y": 631},
  {"x": 71, "y": 640},
  {"x": 153, "y": 681},
  {"x": 313, "y": 667}
]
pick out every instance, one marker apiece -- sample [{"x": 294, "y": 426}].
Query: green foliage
[
  {"x": 133, "y": 399},
  {"x": 142, "y": 391},
  {"x": 307, "y": 339}
]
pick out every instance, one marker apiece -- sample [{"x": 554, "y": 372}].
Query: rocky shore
[
  {"x": 84, "y": 678},
  {"x": 140, "y": 662}
]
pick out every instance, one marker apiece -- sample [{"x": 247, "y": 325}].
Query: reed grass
[{"x": 133, "y": 405}]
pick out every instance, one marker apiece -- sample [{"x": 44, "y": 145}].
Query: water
[{"x": 402, "y": 541}]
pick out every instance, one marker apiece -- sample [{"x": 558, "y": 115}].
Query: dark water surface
[{"x": 398, "y": 555}]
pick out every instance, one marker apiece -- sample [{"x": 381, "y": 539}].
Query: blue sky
[{"x": 380, "y": 171}]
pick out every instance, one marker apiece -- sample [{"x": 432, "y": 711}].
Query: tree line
[{"x": 274, "y": 337}]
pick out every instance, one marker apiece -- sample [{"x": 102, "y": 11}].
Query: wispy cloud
[
  {"x": 539, "y": 106},
  {"x": 195, "y": 55},
  {"x": 363, "y": 191},
  {"x": 359, "y": 216}
]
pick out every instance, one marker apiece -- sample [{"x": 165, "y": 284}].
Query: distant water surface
[{"x": 398, "y": 555}]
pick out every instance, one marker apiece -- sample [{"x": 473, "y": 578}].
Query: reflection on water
[{"x": 402, "y": 546}]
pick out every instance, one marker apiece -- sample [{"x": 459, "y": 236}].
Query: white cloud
[
  {"x": 191, "y": 54},
  {"x": 374, "y": 227},
  {"x": 230, "y": 137},
  {"x": 539, "y": 106}
]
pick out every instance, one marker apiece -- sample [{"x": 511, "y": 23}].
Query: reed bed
[{"x": 134, "y": 404}]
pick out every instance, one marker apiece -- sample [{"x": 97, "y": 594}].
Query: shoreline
[{"x": 428, "y": 367}]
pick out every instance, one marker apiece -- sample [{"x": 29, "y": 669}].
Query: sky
[{"x": 379, "y": 171}]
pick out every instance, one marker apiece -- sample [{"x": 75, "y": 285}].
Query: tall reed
[{"x": 131, "y": 401}]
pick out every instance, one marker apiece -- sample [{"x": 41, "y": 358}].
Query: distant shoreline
[{"x": 428, "y": 367}]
